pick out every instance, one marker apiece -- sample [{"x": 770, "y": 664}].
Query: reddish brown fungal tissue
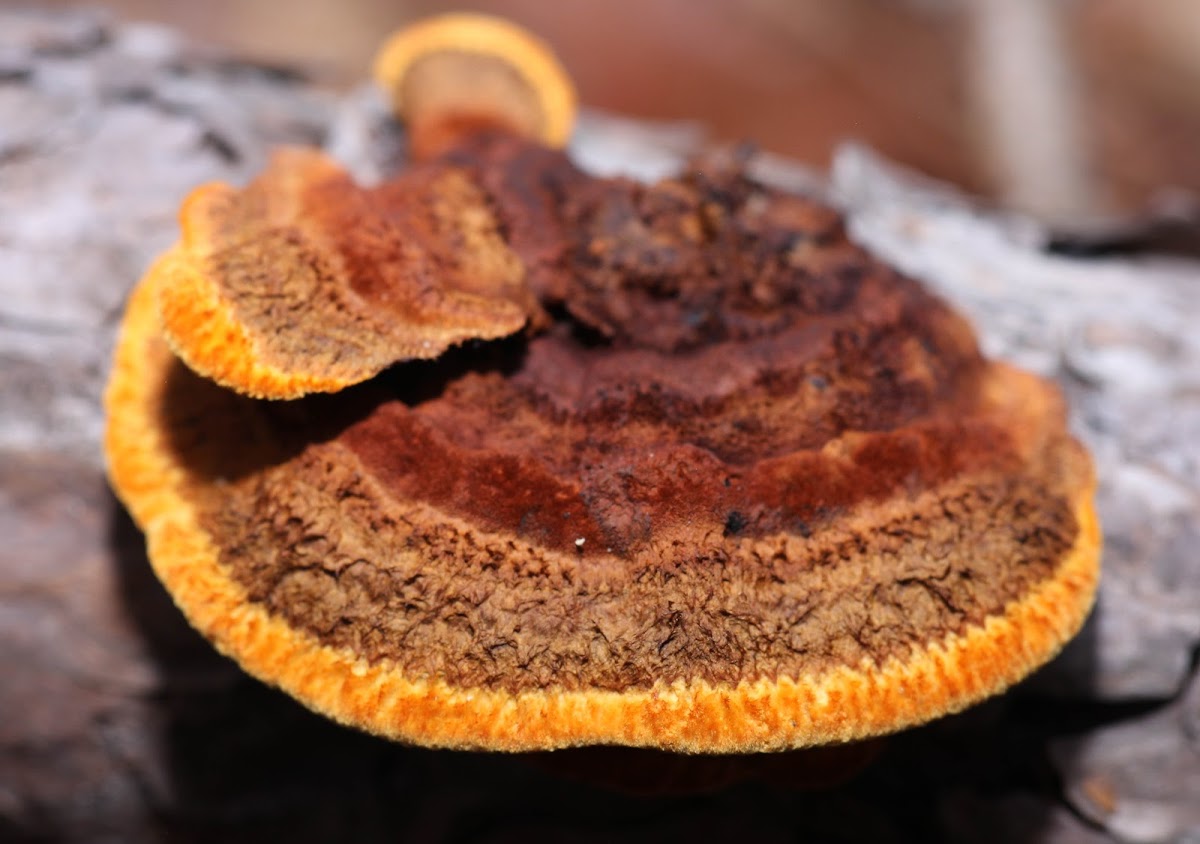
[
  {"x": 305, "y": 282},
  {"x": 678, "y": 465}
]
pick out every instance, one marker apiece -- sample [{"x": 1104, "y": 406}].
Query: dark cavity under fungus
[{"x": 731, "y": 445}]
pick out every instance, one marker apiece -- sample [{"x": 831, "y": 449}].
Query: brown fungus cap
[
  {"x": 449, "y": 74},
  {"x": 303, "y": 282},
  {"x": 743, "y": 488}
]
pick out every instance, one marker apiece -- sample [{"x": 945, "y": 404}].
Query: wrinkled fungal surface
[
  {"x": 303, "y": 281},
  {"x": 712, "y": 478},
  {"x": 735, "y": 448}
]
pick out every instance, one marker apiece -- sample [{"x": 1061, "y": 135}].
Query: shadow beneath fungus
[
  {"x": 217, "y": 433},
  {"x": 417, "y": 381},
  {"x": 653, "y": 773},
  {"x": 245, "y": 763}
]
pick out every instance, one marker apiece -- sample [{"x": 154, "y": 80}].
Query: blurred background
[{"x": 1074, "y": 109}]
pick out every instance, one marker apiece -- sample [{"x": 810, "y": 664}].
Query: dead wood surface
[{"x": 119, "y": 723}]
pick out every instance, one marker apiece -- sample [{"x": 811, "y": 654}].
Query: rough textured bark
[{"x": 118, "y": 723}]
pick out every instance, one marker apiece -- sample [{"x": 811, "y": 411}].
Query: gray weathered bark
[{"x": 118, "y": 723}]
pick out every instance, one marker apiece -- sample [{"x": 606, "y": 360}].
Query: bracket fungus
[{"x": 583, "y": 460}]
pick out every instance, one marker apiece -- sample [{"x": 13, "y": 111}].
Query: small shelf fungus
[{"x": 563, "y": 460}]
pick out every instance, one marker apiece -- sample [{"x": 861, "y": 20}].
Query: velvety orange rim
[
  {"x": 217, "y": 345},
  {"x": 528, "y": 55},
  {"x": 837, "y": 706},
  {"x": 198, "y": 321}
]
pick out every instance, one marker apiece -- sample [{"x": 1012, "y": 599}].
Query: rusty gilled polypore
[{"x": 714, "y": 479}]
